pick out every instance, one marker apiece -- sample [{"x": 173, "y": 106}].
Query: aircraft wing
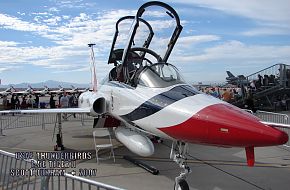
[
  {"x": 56, "y": 110},
  {"x": 279, "y": 125}
]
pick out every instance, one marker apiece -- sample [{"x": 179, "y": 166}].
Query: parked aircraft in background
[
  {"x": 41, "y": 92},
  {"x": 28, "y": 91},
  {"x": 73, "y": 90},
  {"x": 83, "y": 90},
  {"x": 149, "y": 97},
  {"x": 59, "y": 91},
  {"x": 236, "y": 80},
  {"x": 6, "y": 92}
]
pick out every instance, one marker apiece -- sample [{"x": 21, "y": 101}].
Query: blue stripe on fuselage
[{"x": 160, "y": 101}]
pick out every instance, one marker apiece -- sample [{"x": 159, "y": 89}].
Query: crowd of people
[
  {"x": 65, "y": 100},
  {"x": 225, "y": 94},
  {"x": 17, "y": 102},
  {"x": 31, "y": 101},
  {"x": 231, "y": 95},
  {"x": 263, "y": 82}
]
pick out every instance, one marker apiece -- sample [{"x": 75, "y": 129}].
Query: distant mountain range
[{"x": 49, "y": 83}]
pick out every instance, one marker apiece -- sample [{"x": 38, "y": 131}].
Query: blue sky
[{"x": 47, "y": 39}]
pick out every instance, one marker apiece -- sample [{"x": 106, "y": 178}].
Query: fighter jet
[
  {"x": 58, "y": 91},
  {"x": 41, "y": 92},
  {"x": 236, "y": 80},
  {"x": 6, "y": 92},
  {"x": 28, "y": 91},
  {"x": 82, "y": 90},
  {"x": 147, "y": 95},
  {"x": 72, "y": 90}
]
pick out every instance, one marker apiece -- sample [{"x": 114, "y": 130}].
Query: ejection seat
[{"x": 116, "y": 58}]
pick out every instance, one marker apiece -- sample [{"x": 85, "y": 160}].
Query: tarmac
[{"x": 213, "y": 168}]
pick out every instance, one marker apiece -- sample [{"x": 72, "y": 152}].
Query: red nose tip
[
  {"x": 234, "y": 127},
  {"x": 278, "y": 137},
  {"x": 226, "y": 125}
]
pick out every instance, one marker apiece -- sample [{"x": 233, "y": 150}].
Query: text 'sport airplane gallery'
[{"x": 146, "y": 95}]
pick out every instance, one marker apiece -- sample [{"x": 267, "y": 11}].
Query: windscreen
[{"x": 160, "y": 75}]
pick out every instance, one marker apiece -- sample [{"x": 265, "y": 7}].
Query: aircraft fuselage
[{"x": 180, "y": 112}]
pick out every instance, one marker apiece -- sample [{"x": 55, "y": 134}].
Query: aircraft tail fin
[
  {"x": 8, "y": 89},
  {"x": 230, "y": 74},
  {"x": 94, "y": 82},
  {"x": 30, "y": 87},
  {"x": 12, "y": 88}
]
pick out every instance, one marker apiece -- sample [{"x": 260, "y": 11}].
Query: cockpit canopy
[
  {"x": 160, "y": 75},
  {"x": 134, "y": 64}
]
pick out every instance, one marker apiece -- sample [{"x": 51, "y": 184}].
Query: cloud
[
  {"x": 266, "y": 10},
  {"x": 14, "y": 23},
  {"x": 210, "y": 63},
  {"x": 6, "y": 67},
  {"x": 69, "y": 35},
  {"x": 264, "y": 13},
  {"x": 53, "y": 9},
  {"x": 197, "y": 39},
  {"x": 71, "y": 38},
  {"x": 266, "y": 31},
  {"x": 20, "y": 13},
  {"x": 72, "y": 4},
  {"x": 54, "y": 21},
  {"x": 8, "y": 43},
  {"x": 236, "y": 52}
]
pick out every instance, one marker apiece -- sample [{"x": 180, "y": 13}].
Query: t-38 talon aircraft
[
  {"x": 58, "y": 91},
  {"x": 28, "y": 91},
  {"x": 6, "y": 92},
  {"x": 42, "y": 92},
  {"x": 149, "y": 96}
]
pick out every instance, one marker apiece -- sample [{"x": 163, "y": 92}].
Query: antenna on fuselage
[{"x": 93, "y": 70}]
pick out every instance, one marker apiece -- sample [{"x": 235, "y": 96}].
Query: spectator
[
  {"x": 72, "y": 103},
  {"x": 5, "y": 102},
  {"x": 252, "y": 85},
  {"x": 227, "y": 96},
  {"x": 260, "y": 80},
  {"x": 12, "y": 102},
  {"x": 284, "y": 102},
  {"x": 272, "y": 80},
  {"x": 17, "y": 103},
  {"x": 30, "y": 102},
  {"x": 236, "y": 94},
  {"x": 36, "y": 101},
  {"x": 266, "y": 80},
  {"x": 214, "y": 93},
  {"x": 64, "y": 103},
  {"x": 249, "y": 103},
  {"x": 23, "y": 103},
  {"x": 59, "y": 97},
  {"x": 51, "y": 102}
]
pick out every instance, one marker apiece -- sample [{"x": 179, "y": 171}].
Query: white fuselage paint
[
  {"x": 176, "y": 113},
  {"x": 122, "y": 99}
]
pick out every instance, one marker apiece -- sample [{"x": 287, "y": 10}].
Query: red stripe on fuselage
[{"x": 225, "y": 125}]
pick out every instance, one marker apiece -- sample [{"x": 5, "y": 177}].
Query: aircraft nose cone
[
  {"x": 226, "y": 125},
  {"x": 279, "y": 137},
  {"x": 234, "y": 127}
]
